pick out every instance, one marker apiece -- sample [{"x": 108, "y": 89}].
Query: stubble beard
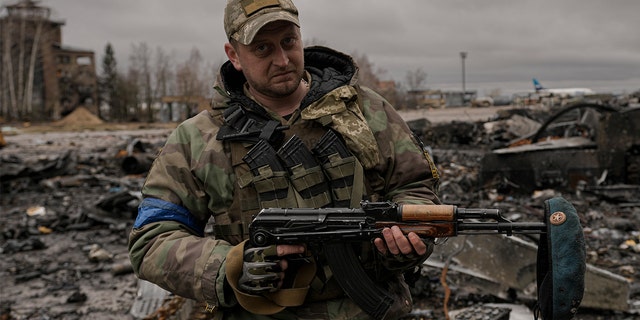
[{"x": 278, "y": 90}]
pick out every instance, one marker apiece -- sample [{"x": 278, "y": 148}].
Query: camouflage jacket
[{"x": 193, "y": 179}]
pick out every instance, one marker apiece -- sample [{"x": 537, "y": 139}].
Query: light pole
[{"x": 463, "y": 55}]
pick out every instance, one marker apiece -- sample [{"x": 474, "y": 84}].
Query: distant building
[
  {"x": 40, "y": 78},
  {"x": 434, "y": 98},
  {"x": 179, "y": 108}
]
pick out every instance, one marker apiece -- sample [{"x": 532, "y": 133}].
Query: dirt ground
[{"x": 66, "y": 207}]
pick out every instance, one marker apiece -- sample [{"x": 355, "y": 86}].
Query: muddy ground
[{"x": 66, "y": 207}]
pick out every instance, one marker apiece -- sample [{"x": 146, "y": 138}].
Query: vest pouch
[
  {"x": 306, "y": 174},
  {"x": 273, "y": 189},
  {"x": 341, "y": 172},
  {"x": 346, "y": 175},
  {"x": 269, "y": 176},
  {"x": 312, "y": 186}
]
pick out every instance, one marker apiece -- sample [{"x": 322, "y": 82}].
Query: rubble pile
[
  {"x": 66, "y": 208},
  {"x": 78, "y": 116},
  {"x": 67, "y": 204},
  {"x": 610, "y": 215}
]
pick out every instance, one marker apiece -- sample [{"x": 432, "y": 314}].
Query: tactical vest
[{"x": 318, "y": 161}]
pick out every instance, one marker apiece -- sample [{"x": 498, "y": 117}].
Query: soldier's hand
[
  {"x": 395, "y": 242},
  {"x": 402, "y": 251},
  {"x": 263, "y": 267}
]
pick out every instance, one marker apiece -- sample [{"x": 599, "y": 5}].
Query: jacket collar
[{"x": 329, "y": 70}]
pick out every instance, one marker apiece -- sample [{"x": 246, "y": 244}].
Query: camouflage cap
[{"x": 244, "y": 18}]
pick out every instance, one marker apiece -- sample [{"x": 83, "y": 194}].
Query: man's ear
[{"x": 232, "y": 54}]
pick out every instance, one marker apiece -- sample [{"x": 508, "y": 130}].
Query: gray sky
[{"x": 564, "y": 43}]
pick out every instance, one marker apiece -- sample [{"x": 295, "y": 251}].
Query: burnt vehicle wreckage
[
  {"x": 583, "y": 147},
  {"x": 68, "y": 202},
  {"x": 586, "y": 151}
]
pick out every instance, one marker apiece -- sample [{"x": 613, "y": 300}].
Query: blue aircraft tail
[{"x": 537, "y": 85}]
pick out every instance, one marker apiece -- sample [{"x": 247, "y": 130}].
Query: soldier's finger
[
  {"x": 380, "y": 245},
  {"x": 390, "y": 240},
  {"x": 401, "y": 241},
  {"x": 286, "y": 249},
  {"x": 418, "y": 245}
]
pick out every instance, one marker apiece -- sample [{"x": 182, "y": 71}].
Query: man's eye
[
  {"x": 288, "y": 42},
  {"x": 261, "y": 49}
]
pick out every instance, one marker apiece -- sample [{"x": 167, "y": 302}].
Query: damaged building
[{"x": 40, "y": 77}]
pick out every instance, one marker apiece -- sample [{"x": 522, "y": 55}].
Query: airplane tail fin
[{"x": 537, "y": 85}]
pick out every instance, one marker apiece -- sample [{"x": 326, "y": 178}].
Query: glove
[
  {"x": 401, "y": 262},
  {"x": 261, "y": 271}
]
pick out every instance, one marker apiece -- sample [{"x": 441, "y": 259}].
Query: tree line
[
  {"x": 130, "y": 95},
  {"x": 151, "y": 76},
  {"x": 135, "y": 93}
]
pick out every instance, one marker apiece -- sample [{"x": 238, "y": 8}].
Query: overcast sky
[{"x": 563, "y": 43}]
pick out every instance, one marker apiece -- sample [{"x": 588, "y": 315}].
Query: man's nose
[{"x": 280, "y": 57}]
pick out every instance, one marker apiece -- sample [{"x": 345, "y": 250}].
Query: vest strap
[{"x": 224, "y": 230}]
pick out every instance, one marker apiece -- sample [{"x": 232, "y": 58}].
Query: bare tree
[
  {"x": 368, "y": 75},
  {"x": 416, "y": 79},
  {"x": 163, "y": 76},
  {"x": 141, "y": 62},
  {"x": 131, "y": 85},
  {"x": 108, "y": 82},
  {"x": 163, "y": 73},
  {"x": 126, "y": 99},
  {"x": 189, "y": 82},
  {"x": 209, "y": 77}
]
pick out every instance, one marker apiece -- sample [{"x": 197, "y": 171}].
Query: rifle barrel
[{"x": 507, "y": 228}]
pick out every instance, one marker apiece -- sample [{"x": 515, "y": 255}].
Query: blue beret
[{"x": 561, "y": 262}]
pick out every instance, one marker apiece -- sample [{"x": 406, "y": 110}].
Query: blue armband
[{"x": 155, "y": 210}]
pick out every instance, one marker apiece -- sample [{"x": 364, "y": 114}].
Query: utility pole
[{"x": 463, "y": 55}]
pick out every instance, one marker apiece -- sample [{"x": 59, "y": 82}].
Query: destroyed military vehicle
[{"x": 585, "y": 146}]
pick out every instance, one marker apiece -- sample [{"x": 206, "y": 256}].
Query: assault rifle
[{"x": 333, "y": 229}]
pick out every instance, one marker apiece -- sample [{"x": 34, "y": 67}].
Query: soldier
[{"x": 278, "y": 112}]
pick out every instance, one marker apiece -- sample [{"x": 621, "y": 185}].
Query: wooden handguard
[{"x": 427, "y": 212}]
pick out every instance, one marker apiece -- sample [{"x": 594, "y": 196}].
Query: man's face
[{"x": 273, "y": 63}]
